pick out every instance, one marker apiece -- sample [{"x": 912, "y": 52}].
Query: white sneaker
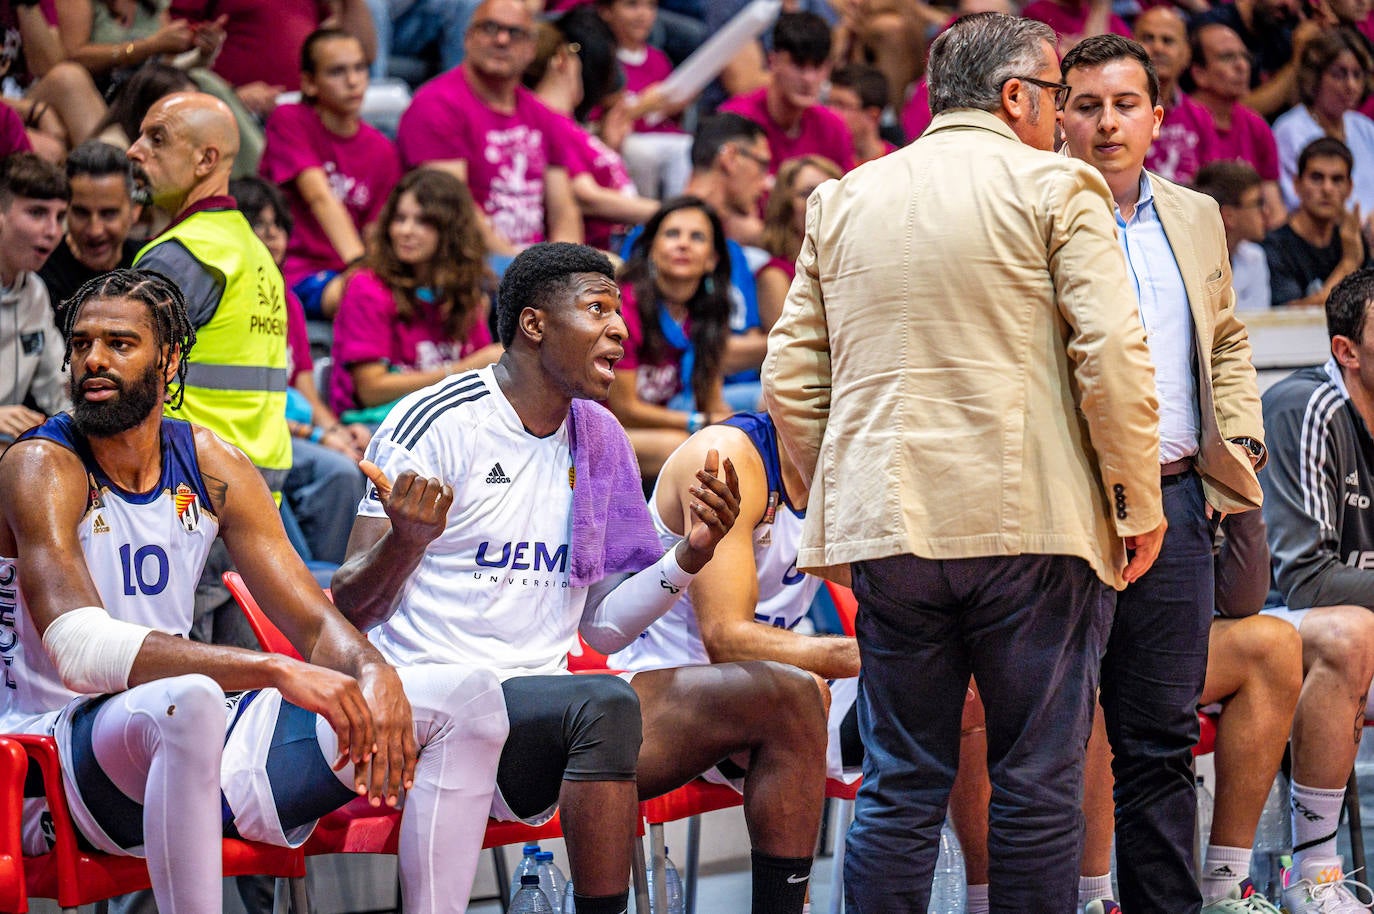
[{"x": 1323, "y": 888}]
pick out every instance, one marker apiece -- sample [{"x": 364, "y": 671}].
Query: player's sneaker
[
  {"x": 1102, "y": 906},
  {"x": 1322, "y": 887},
  {"x": 1242, "y": 900}
]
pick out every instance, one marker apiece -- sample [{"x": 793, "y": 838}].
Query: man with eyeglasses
[
  {"x": 1210, "y": 445},
  {"x": 1221, "y": 78},
  {"x": 479, "y": 123},
  {"x": 1236, "y": 188},
  {"x": 960, "y": 377}
]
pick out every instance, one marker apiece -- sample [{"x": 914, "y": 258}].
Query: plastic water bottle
[
  {"x": 551, "y": 878},
  {"x": 1273, "y": 839},
  {"x": 949, "y": 893},
  {"x": 677, "y": 901},
  {"x": 569, "y": 903},
  {"x": 527, "y": 865},
  {"x": 529, "y": 900}
]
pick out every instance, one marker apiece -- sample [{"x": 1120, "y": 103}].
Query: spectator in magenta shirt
[
  {"x": 477, "y": 122},
  {"x": 1221, "y": 72},
  {"x": 784, "y": 225},
  {"x": 858, "y": 93},
  {"x": 644, "y": 65},
  {"x": 334, "y": 170},
  {"x": 417, "y": 312},
  {"x": 789, "y": 108},
  {"x": 1187, "y": 135},
  {"x": 1074, "y": 20},
  {"x": 264, "y": 37},
  {"x": 675, "y": 302},
  {"x": 562, "y": 73}
]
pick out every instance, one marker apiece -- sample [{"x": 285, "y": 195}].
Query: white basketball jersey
[
  {"x": 784, "y": 594},
  {"x": 145, "y": 552},
  {"x": 492, "y": 591}
]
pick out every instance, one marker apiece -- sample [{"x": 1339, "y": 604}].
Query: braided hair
[{"x": 166, "y": 307}]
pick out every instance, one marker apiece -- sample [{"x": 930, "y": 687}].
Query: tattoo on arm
[{"x": 216, "y": 488}]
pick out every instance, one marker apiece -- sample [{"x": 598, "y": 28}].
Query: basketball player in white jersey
[
  {"x": 468, "y": 556},
  {"x": 106, "y": 515},
  {"x": 747, "y": 603}
]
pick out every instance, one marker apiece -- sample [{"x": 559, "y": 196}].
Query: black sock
[
  {"x": 601, "y": 904},
  {"x": 780, "y": 883}
]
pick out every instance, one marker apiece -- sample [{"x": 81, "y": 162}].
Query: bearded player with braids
[{"x": 106, "y": 515}]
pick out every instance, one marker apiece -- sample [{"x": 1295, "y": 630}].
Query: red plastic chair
[
  {"x": 14, "y": 765},
  {"x": 74, "y": 876}
]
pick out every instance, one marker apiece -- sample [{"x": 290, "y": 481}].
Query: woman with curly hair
[
  {"x": 675, "y": 301},
  {"x": 784, "y": 224},
  {"x": 417, "y": 311}
]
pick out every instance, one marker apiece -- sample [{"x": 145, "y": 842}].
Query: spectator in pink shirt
[
  {"x": 334, "y": 170},
  {"x": 562, "y": 73},
  {"x": 788, "y": 108},
  {"x": 1187, "y": 135},
  {"x": 1221, "y": 72},
  {"x": 417, "y": 312},
  {"x": 1074, "y": 20},
  {"x": 478, "y": 123},
  {"x": 858, "y": 93},
  {"x": 784, "y": 225},
  {"x": 656, "y": 150}
]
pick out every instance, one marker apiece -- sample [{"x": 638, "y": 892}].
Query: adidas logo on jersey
[
  {"x": 497, "y": 475},
  {"x": 100, "y": 526}
]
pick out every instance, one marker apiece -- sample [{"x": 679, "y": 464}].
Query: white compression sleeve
[
  {"x": 618, "y": 609},
  {"x": 93, "y": 653}
]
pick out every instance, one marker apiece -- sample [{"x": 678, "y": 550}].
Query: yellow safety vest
[{"x": 236, "y": 382}]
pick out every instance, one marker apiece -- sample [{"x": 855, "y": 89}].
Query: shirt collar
[
  {"x": 223, "y": 201},
  {"x": 1333, "y": 371},
  {"x": 1144, "y": 205}
]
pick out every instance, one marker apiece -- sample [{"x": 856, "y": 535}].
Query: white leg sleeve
[
  {"x": 161, "y": 744},
  {"x": 460, "y": 725}
]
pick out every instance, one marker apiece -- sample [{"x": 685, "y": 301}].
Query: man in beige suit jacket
[
  {"x": 960, "y": 374},
  {"x": 1210, "y": 442}
]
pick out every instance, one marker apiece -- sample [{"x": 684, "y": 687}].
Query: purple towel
[{"x": 612, "y": 532}]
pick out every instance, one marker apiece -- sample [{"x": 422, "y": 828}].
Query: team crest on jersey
[{"x": 188, "y": 507}]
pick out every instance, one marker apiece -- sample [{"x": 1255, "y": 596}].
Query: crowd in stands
[{"x": 385, "y": 249}]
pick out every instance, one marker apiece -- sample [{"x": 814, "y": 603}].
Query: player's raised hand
[
  {"x": 715, "y": 505},
  {"x": 417, "y": 506}
]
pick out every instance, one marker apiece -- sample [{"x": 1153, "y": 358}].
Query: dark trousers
[
  {"x": 1031, "y": 630},
  {"x": 1152, "y": 678}
]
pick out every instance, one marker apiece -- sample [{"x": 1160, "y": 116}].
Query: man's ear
[
  {"x": 207, "y": 161},
  {"x": 531, "y": 324},
  {"x": 171, "y": 361},
  {"x": 1014, "y": 98},
  {"x": 1343, "y": 348}
]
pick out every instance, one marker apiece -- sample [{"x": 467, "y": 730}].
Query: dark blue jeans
[
  {"x": 1031, "y": 630},
  {"x": 1151, "y": 680}
]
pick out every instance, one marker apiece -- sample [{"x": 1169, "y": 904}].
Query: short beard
[{"x": 133, "y": 403}]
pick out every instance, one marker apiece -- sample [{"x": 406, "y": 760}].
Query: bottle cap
[
  {"x": 531, "y": 850},
  {"x": 544, "y": 856}
]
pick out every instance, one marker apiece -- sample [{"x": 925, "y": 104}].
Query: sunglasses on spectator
[
  {"x": 762, "y": 161},
  {"x": 1061, "y": 91},
  {"x": 493, "y": 30}
]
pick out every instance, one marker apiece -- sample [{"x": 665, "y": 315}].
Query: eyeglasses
[
  {"x": 493, "y": 30},
  {"x": 763, "y": 162},
  {"x": 1061, "y": 91}
]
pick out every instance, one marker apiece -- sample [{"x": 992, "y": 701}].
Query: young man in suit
[{"x": 1210, "y": 444}]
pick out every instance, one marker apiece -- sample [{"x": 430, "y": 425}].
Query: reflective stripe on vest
[{"x": 235, "y": 377}]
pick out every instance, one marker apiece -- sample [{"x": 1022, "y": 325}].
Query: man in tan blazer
[
  {"x": 960, "y": 374},
  {"x": 1211, "y": 434}
]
